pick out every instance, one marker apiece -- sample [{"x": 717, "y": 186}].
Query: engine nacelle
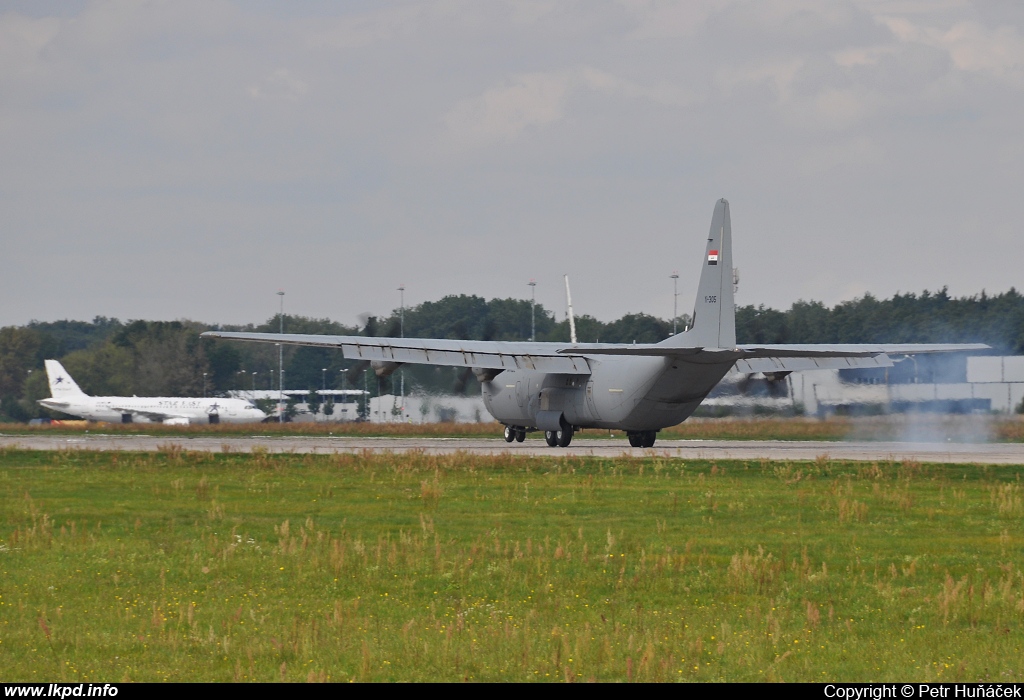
[
  {"x": 486, "y": 374},
  {"x": 537, "y": 400},
  {"x": 384, "y": 368}
]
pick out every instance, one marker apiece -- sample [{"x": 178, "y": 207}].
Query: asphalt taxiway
[{"x": 944, "y": 452}]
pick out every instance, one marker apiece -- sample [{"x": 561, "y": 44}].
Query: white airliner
[{"x": 68, "y": 398}]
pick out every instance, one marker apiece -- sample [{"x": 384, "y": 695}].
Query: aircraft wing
[
  {"x": 484, "y": 354},
  {"x": 793, "y": 358},
  {"x": 559, "y": 358},
  {"x": 788, "y": 358},
  {"x": 155, "y": 416}
]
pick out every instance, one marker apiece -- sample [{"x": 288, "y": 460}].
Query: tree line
[{"x": 161, "y": 358}]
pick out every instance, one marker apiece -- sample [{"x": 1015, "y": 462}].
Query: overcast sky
[{"x": 187, "y": 159}]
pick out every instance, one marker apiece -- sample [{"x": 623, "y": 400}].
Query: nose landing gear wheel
[
  {"x": 551, "y": 438},
  {"x": 520, "y": 434},
  {"x": 510, "y": 434}
]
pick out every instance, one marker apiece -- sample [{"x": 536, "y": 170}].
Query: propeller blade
[{"x": 460, "y": 383}]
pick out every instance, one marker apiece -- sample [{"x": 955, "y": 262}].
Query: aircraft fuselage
[
  {"x": 113, "y": 409},
  {"x": 635, "y": 393}
]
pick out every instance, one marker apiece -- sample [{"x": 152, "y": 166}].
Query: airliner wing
[
  {"x": 484, "y": 354},
  {"x": 155, "y": 416}
]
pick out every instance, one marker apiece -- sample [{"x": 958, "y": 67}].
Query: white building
[
  {"x": 347, "y": 402},
  {"x": 428, "y": 409},
  {"x": 990, "y": 384},
  {"x": 348, "y": 406}
]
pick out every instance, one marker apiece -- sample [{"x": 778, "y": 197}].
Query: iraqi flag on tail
[{"x": 712, "y": 257}]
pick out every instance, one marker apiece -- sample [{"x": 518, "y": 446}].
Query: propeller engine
[
  {"x": 482, "y": 374},
  {"x": 773, "y": 384}
]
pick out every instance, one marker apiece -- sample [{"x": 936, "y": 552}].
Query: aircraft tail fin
[
  {"x": 61, "y": 383},
  {"x": 714, "y": 313}
]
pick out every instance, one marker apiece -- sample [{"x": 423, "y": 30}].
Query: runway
[{"x": 947, "y": 452}]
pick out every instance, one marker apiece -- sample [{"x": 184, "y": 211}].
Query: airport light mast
[
  {"x": 533, "y": 305},
  {"x": 401, "y": 327},
  {"x": 280, "y": 362},
  {"x": 344, "y": 394},
  {"x": 675, "y": 299}
]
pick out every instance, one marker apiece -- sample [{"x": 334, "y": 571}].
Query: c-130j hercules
[{"x": 564, "y": 387}]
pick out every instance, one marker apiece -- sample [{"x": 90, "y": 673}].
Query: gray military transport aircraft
[{"x": 640, "y": 388}]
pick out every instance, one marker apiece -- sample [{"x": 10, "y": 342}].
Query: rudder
[
  {"x": 61, "y": 383},
  {"x": 714, "y": 313}
]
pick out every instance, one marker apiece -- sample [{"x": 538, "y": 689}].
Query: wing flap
[
  {"x": 797, "y": 364},
  {"x": 857, "y": 349},
  {"x": 452, "y": 353}
]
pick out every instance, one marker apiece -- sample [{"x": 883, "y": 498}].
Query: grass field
[
  {"x": 895, "y": 427},
  {"x": 186, "y": 566}
]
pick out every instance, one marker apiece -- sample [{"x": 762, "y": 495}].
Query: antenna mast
[{"x": 569, "y": 314}]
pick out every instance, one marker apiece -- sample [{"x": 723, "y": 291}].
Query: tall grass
[{"x": 194, "y": 566}]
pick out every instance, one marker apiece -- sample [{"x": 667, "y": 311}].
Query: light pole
[
  {"x": 401, "y": 316},
  {"x": 533, "y": 305},
  {"x": 204, "y": 385},
  {"x": 280, "y": 362},
  {"x": 675, "y": 300},
  {"x": 344, "y": 376},
  {"x": 324, "y": 373},
  {"x": 254, "y": 384},
  {"x": 401, "y": 326}
]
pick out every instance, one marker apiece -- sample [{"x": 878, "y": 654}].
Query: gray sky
[{"x": 188, "y": 158}]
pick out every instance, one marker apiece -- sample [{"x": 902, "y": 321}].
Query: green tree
[
  {"x": 167, "y": 357},
  {"x": 313, "y": 401},
  {"x": 267, "y": 405},
  {"x": 19, "y": 349},
  {"x": 640, "y": 328}
]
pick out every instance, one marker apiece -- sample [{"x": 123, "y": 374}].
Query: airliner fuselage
[
  {"x": 67, "y": 397},
  {"x": 157, "y": 409}
]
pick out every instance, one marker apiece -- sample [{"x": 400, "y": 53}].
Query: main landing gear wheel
[
  {"x": 564, "y": 436},
  {"x": 520, "y": 434},
  {"x": 644, "y": 438},
  {"x": 510, "y": 433},
  {"x": 551, "y": 437}
]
